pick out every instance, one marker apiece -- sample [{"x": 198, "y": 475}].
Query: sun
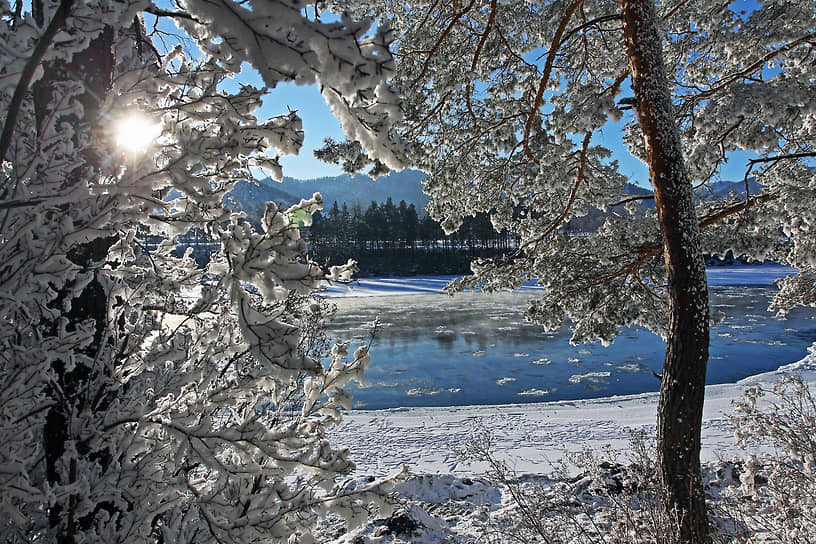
[{"x": 136, "y": 133}]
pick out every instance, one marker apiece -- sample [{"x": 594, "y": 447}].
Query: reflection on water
[{"x": 434, "y": 350}]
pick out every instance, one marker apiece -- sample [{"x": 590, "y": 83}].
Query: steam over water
[{"x": 435, "y": 350}]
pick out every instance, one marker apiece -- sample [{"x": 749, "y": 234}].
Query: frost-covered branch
[
  {"x": 32, "y": 63},
  {"x": 545, "y": 76},
  {"x": 777, "y": 158},
  {"x": 146, "y": 396}
]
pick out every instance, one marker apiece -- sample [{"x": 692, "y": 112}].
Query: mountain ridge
[
  {"x": 404, "y": 185},
  {"x": 252, "y": 196}
]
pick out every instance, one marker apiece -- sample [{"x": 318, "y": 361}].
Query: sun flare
[{"x": 136, "y": 133}]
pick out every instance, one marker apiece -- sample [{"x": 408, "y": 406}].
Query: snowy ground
[
  {"x": 444, "y": 498},
  {"x": 367, "y": 287},
  {"x": 532, "y": 436}
]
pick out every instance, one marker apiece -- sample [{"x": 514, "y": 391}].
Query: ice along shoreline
[
  {"x": 743, "y": 275},
  {"x": 532, "y": 436}
]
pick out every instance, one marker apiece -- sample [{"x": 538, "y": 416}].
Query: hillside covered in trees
[
  {"x": 251, "y": 196},
  {"x": 387, "y": 238}
]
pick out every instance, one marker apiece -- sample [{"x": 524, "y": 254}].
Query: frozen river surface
[{"x": 434, "y": 350}]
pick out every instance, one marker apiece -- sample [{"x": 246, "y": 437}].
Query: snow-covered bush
[
  {"x": 591, "y": 498},
  {"x": 511, "y": 107},
  {"x": 778, "y": 492},
  {"x": 142, "y": 398}
]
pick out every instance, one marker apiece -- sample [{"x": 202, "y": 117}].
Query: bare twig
[
  {"x": 632, "y": 199},
  {"x": 153, "y": 10},
  {"x": 432, "y": 52},
  {"x": 588, "y": 24},
  {"x": 18, "y": 203},
  {"x": 774, "y": 160}
]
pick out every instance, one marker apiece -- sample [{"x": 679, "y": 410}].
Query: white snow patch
[
  {"x": 631, "y": 366},
  {"x": 536, "y": 392},
  {"x": 441, "y": 488},
  {"x": 445, "y": 333},
  {"x": 422, "y": 391},
  {"x": 429, "y": 285},
  {"x": 593, "y": 377}
]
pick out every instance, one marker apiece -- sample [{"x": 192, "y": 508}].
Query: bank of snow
[
  {"x": 447, "y": 500},
  {"x": 751, "y": 275},
  {"x": 532, "y": 436},
  {"x": 443, "y": 500}
]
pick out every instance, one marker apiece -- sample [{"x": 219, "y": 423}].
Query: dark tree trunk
[
  {"x": 94, "y": 67},
  {"x": 683, "y": 385}
]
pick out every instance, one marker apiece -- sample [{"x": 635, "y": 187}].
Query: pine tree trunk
[
  {"x": 683, "y": 385},
  {"x": 95, "y": 67}
]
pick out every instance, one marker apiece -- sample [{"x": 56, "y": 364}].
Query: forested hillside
[
  {"x": 252, "y": 196},
  {"x": 363, "y": 219},
  {"x": 397, "y": 239}
]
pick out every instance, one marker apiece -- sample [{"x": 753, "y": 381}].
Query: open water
[{"x": 435, "y": 350}]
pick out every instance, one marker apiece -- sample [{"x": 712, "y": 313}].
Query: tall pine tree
[{"x": 508, "y": 104}]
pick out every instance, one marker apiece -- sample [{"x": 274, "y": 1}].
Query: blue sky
[{"x": 319, "y": 123}]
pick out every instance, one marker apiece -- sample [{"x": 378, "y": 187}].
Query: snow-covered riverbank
[
  {"x": 532, "y": 436},
  {"x": 417, "y": 285},
  {"x": 445, "y": 499}
]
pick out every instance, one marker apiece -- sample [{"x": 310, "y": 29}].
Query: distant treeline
[
  {"x": 393, "y": 239},
  {"x": 385, "y": 225}
]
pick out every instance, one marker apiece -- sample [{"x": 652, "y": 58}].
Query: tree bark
[
  {"x": 94, "y": 67},
  {"x": 682, "y": 388}
]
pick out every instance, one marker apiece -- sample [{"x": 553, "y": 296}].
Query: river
[{"x": 436, "y": 350}]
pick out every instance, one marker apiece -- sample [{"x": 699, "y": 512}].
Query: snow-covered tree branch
[
  {"x": 507, "y": 104},
  {"x": 143, "y": 398}
]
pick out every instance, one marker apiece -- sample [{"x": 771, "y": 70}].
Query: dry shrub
[
  {"x": 777, "y": 496},
  {"x": 609, "y": 501},
  {"x": 611, "y": 498}
]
